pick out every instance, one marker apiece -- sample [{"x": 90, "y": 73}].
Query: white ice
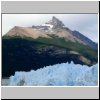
[{"x": 58, "y": 75}]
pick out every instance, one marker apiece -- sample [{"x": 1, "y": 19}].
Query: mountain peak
[
  {"x": 55, "y": 19},
  {"x": 55, "y": 22}
]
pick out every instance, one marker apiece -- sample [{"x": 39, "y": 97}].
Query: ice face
[{"x": 58, "y": 75}]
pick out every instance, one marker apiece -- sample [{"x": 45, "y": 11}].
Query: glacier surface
[{"x": 58, "y": 75}]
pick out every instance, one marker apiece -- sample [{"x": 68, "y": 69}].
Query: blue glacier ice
[{"x": 64, "y": 74}]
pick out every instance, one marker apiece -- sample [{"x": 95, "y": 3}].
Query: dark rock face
[
  {"x": 56, "y": 23},
  {"x": 24, "y": 55},
  {"x": 85, "y": 39}
]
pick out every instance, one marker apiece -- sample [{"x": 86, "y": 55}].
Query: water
[{"x": 5, "y": 82}]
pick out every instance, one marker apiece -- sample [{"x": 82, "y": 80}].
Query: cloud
[{"x": 87, "y": 24}]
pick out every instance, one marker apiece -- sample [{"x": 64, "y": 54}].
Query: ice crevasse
[{"x": 64, "y": 74}]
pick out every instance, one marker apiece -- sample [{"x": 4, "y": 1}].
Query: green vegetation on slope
[{"x": 84, "y": 50}]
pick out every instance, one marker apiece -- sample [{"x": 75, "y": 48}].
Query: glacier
[{"x": 63, "y": 74}]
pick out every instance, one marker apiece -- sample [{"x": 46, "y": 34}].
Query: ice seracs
[{"x": 58, "y": 75}]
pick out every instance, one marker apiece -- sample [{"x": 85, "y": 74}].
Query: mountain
[
  {"x": 85, "y": 39},
  {"x": 26, "y": 48},
  {"x": 52, "y": 27}
]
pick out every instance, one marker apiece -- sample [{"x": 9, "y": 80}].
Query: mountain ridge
[{"x": 54, "y": 27}]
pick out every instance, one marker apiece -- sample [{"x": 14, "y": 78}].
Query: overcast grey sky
[{"x": 87, "y": 24}]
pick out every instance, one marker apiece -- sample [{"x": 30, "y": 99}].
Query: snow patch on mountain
[
  {"x": 58, "y": 75},
  {"x": 48, "y": 25}
]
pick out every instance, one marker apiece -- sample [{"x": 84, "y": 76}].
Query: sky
[{"x": 87, "y": 24}]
